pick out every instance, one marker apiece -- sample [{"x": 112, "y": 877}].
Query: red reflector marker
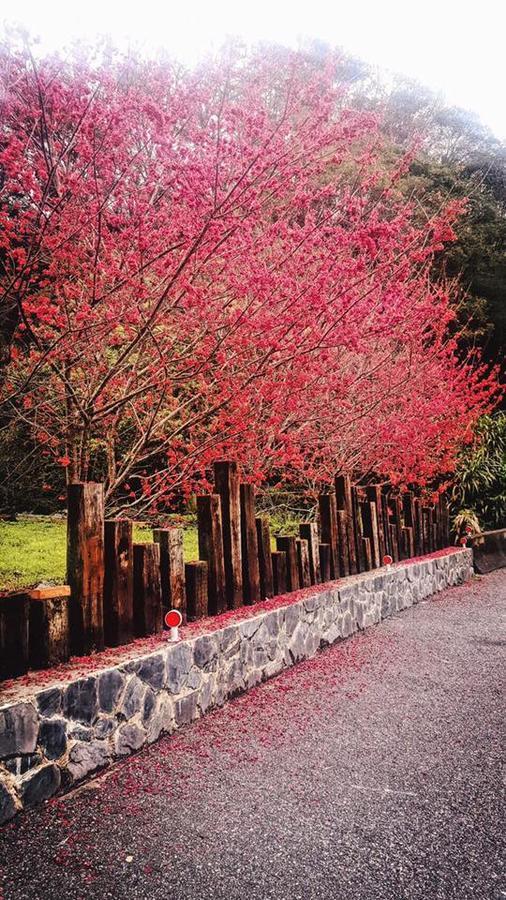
[
  {"x": 173, "y": 620},
  {"x": 387, "y": 560}
]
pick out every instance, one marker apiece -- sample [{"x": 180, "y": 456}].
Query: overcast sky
[{"x": 457, "y": 48}]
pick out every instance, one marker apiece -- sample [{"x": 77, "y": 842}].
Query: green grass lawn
[{"x": 33, "y": 550}]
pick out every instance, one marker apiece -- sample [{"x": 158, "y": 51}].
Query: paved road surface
[{"x": 372, "y": 771}]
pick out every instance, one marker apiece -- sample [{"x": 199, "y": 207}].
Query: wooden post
[
  {"x": 172, "y": 568},
  {"x": 292, "y": 567},
  {"x": 279, "y": 572},
  {"x": 85, "y": 565},
  {"x": 394, "y": 542},
  {"x": 118, "y": 582},
  {"x": 369, "y": 519},
  {"x": 385, "y": 510},
  {"x": 367, "y": 554},
  {"x": 419, "y": 527},
  {"x": 428, "y": 530},
  {"x": 148, "y": 613},
  {"x": 250, "y": 565},
  {"x": 211, "y": 550},
  {"x": 373, "y": 493},
  {"x": 49, "y": 633},
  {"x": 264, "y": 557},
  {"x": 397, "y": 505},
  {"x": 328, "y": 528},
  {"x": 309, "y": 531},
  {"x": 196, "y": 589},
  {"x": 407, "y": 543},
  {"x": 437, "y": 526},
  {"x": 343, "y": 556},
  {"x": 303, "y": 562},
  {"x": 345, "y": 503},
  {"x": 13, "y": 635},
  {"x": 445, "y": 521},
  {"x": 357, "y": 523},
  {"x": 324, "y": 554},
  {"x": 226, "y": 484}
]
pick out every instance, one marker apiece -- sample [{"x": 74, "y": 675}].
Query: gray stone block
[
  {"x": 205, "y": 652},
  {"x": 185, "y": 709},
  {"x": 85, "y": 758},
  {"x": 49, "y": 702},
  {"x": 53, "y": 737},
  {"x": 206, "y": 695},
  {"x": 133, "y": 698},
  {"x": 110, "y": 685},
  {"x": 194, "y": 678},
  {"x": 292, "y": 617},
  {"x": 80, "y": 733},
  {"x": 229, "y": 641},
  {"x": 248, "y": 628},
  {"x": 39, "y": 785},
  {"x": 149, "y": 705},
  {"x": 18, "y": 765},
  {"x": 179, "y": 663},
  {"x": 18, "y": 729},
  {"x": 129, "y": 738},
  {"x": 152, "y": 670},
  {"x": 80, "y": 700},
  {"x": 104, "y": 726},
  {"x": 7, "y": 803}
]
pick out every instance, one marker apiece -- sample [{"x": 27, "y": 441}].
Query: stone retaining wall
[{"x": 58, "y": 736}]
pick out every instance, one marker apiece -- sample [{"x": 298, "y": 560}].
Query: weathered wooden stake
[
  {"x": 13, "y": 635},
  {"x": 264, "y": 557},
  {"x": 374, "y": 494},
  {"x": 49, "y": 632},
  {"x": 358, "y": 529},
  {"x": 226, "y": 484},
  {"x": 394, "y": 542},
  {"x": 118, "y": 582},
  {"x": 385, "y": 510},
  {"x": 196, "y": 589},
  {"x": 172, "y": 577},
  {"x": 369, "y": 519},
  {"x": 211, "y": 550},
  {"x": 148, "y": 613},
  {"x": 397, "y": 505},
  {"x": 324, "y": 554},
  {"x": 303, "y": 562},
  {"x": 279, "y": 572},
  {"x": 343, "y": 555},
  {"x": 367, "y": 554},
  {"x": 85, "y": 565},
  {"x": 250, "y": 565},
  {"x": 445, "y": 521},
  {"x": 419, "y": 537},
  {"x": 292, "y": 567},
  {"x": 309, "y": 531},
  {"x": 328, "y": 529},
  {"x": 408, "y": 542},
  {"x": 344, "y": 502}
]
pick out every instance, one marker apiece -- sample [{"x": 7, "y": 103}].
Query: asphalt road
[{"x": 372, "y": 771}]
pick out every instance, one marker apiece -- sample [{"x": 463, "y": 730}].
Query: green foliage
[{"x": 481, "y": 474}]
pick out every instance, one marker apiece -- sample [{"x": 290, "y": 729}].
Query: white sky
[{"x": 456, "y": 47}]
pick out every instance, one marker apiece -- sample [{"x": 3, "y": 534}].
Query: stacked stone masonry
[{"x": 60, "y": 735}]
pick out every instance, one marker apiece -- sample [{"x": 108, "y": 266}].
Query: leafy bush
[{"x": 480, "y": 484}]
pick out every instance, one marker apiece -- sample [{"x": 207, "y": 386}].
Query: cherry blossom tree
[{"x": 219, "y": 261}]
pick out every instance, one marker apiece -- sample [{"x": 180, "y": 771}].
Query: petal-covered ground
[{"x": 370, "y": 771}]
